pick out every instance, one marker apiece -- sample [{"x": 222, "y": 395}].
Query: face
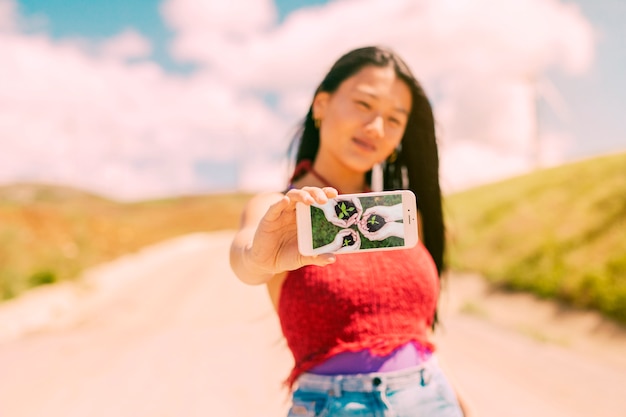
[{"x": 363, "y": 121}]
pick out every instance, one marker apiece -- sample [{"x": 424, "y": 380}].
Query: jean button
[{"x": 376, "y": 381}]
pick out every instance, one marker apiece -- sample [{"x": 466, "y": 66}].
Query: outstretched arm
[{"x": 267, "y": 244}]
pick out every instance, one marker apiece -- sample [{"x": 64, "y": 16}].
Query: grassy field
[
  {"x": 559, "y": 233},
  {"x": 50, "y": 234},
  {"x": 325, "y": 231}
]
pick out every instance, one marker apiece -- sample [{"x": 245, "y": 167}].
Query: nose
[{"x": 376, "y": 127}]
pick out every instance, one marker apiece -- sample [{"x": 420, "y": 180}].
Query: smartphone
[{"x": 378, "y": 221}]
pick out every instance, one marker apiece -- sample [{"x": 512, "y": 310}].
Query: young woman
[{"x": 358, "y": 325}]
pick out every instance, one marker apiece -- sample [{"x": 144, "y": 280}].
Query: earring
[
  {"x": 317, "y": 122},
  {"x": 392, "y": 158}
]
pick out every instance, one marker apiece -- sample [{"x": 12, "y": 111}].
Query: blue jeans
[{"x": 420, "y": 391}]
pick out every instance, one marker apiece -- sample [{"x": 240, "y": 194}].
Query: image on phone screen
[{"x": 357, "y": 223}]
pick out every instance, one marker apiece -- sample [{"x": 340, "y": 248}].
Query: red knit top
[{"x": 375, "y": 300}]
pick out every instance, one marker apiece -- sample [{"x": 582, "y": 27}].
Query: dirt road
[{"x": 170, "y": 331}]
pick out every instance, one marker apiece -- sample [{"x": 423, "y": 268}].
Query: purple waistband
[{"x": 364, "y": 361}]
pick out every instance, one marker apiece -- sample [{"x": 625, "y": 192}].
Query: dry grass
[{"x": 50, "y": 234}]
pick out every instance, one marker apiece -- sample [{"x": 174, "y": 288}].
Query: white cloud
[
  {"x": 483, "y": 56},
  {"x": 489, "y": 110},
  {"x": 125, "y": 130},
  {"x": 467, "y": 164},
  {"x": 514, "y": 37},
  {"x": 126, "y": 45},
  {"x": 129, "y": 129},
  {"x": 264, "y": 175},
  {"x": 209, "y": 31}
]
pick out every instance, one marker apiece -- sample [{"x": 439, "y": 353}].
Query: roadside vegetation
[
  {"x": 559, "y": 233},
  {"x": 50, "y": 234}
]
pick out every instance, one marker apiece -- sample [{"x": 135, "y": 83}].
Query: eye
[
  {"x": 394, "y": 121},
  {"x": 363, "y": 104}
]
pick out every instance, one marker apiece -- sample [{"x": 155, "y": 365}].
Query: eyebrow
[{"x": 398, "y": 109}]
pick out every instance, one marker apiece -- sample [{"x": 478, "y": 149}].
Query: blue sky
[
  {"x": 146, "y": 52},
  {"x": 99, "y": 19},
  {"x": 598, "y": 98}
]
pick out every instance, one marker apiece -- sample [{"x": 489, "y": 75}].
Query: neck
[{"x": 344, "y": 180}]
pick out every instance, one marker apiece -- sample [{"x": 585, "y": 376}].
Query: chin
[
  {"x": 361, "y": 169},
  {"x": 364, "y": 167},
  {"x": 359, "y": 164}
]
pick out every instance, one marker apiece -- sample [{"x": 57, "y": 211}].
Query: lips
[{"x": 364, "y": 144}]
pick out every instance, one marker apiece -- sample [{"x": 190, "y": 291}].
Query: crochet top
[{"x": 377, "y": 301}]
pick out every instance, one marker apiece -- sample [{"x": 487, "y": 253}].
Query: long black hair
[{"x": 415, "y": 164}]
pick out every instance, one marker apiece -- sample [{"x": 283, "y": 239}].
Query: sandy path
[{"x": 171, "y": 332}]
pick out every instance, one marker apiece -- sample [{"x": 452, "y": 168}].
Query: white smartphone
[{"x": 384, "y": 220}]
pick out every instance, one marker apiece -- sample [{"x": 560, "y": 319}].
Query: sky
[{"x": 146, "y": 99}]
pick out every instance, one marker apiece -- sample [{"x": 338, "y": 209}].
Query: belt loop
[
  {"x": 380, "y": 388},
  {"x": 337, "y": 388}
]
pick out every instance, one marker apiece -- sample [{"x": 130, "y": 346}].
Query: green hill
[
  {"x": 50, "y": 234},
  {"x": 559, "y": 233}
]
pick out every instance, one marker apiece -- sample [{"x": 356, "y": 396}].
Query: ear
[{"x": 320, "y": 102}]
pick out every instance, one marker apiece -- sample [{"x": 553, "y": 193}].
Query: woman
[{"x": 358, "y": 325}]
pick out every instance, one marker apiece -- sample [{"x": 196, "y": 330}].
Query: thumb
[
  {"x": 276, "y": 209},
  {"x": 319, "y": 260}
]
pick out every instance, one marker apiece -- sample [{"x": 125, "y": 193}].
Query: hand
[
  {"x": 346, "y": 240},
  {"x": 274, "y": 247},
  {"x": 391, "y": 213},
  {"x": 387, "y": 230},
  {"x": 350, "y": 210}
]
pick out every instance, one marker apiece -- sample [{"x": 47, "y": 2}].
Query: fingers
[
  {"x": 340, "y": 223},
  {"x": 357, "y": 203},
  {"x": 312, "y": 195},
  {"x": 330, "y": 192}
]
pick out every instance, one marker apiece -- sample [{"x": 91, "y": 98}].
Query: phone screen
[{"x": 351, "y": 223}]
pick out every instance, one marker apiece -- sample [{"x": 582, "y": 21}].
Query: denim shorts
[{"x": 419, "y": 391}]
